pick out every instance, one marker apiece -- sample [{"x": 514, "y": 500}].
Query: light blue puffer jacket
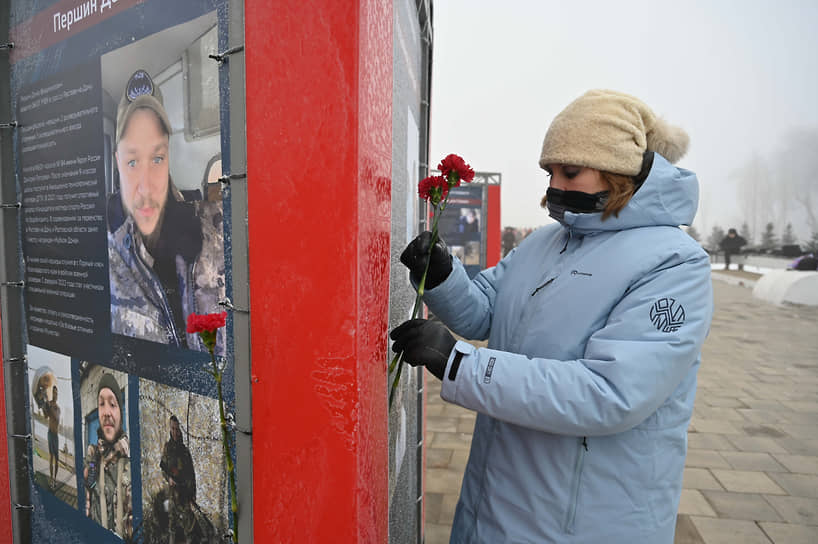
[{"x": 586, "y": 388}]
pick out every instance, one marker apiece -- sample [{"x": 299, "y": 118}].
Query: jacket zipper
[
  {"x": 521, "y": 329},
  {"x": 191, "y": 297},
  {"x": 171, "y": 326},
  {"x": 567, "y": 239},
  {"x": 572, "y": 507},
  {"x": 166, "y": 308},
  {"x": 541, "y": 286}
]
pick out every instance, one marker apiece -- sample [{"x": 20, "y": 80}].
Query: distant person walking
[{"x": 731, "y": 245}]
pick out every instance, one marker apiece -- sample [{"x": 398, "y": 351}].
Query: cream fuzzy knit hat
[{"x": 610, "y": 131}]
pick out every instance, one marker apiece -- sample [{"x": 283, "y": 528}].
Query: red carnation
[
  {"x": 433, "y": 188},
  {"x": 206, "y": 322},
  {"x": 455, "y": 170}
]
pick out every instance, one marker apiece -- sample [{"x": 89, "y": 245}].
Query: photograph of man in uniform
[
  {"x": 52, "y": 411},
  {"x": 185, "y": 494},
  {"x": 106, "y": 467},
  {"x": 166, "y": 253},
  {"x": 177, "y": 468}
]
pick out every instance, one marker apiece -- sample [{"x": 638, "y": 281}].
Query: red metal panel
[
  {"x": 319, "y": 84},
  {"x": 374, "y": 181},
  {"x": 493, "y": 226},
  {"x": 5, "y": 490}
]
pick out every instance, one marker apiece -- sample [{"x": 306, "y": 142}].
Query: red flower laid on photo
[
  {"x": 205, "y": 326},
  {"x": 205, "y": 322}
]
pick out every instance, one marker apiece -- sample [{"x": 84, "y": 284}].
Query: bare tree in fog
[
  {"x": 788, "y": 236},
  {"x": 769, "y": 240},
  {"x": 812, "y": 245},
  {"x": 798, "y": 157},
  {"x": 781, "y": 187},
  {"x": 753, "y": 187},
  {"x": 745, "y": 233},
  {"x": 715, "y": 238}
]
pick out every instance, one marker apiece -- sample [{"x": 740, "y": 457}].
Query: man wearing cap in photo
[
  {"x": 166, "y": 255},
  {"x": 595, "y": 324},
  {"x": 106, "y": 467}
]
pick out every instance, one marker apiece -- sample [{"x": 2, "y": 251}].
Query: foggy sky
[{"x": 739, "y": 76}]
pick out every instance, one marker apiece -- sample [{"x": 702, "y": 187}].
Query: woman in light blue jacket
[{"x": 594, "y": 326}]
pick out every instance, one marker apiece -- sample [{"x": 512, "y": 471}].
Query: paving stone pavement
[{"x": 751, "y": 473}]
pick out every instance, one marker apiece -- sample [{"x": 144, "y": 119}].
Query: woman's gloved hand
[
  {"x": 416, "y": 254},
  {"x": 424, "y": 342}
]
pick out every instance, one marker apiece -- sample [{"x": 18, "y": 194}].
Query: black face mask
[{"x": 559, "y": 202}]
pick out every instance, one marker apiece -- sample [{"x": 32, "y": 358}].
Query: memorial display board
[{"x": 117, "y": 159}]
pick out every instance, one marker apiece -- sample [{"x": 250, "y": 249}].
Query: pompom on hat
[{"x": 610, "y": 131}]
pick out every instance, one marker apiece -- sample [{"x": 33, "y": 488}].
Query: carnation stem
[
  {"x": 395, "y": 381},
  {"x": 397, "y": 360},
  {"x": 231, "y": 469}
]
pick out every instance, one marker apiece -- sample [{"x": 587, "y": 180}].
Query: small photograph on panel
[
  {"x": 52, "y": 423},
  {"x": 184, "y": 484},
  {"x": 469, "y": 220},
  {"x": 472, "y": 253},
  {"x": 106, "y": 466}
]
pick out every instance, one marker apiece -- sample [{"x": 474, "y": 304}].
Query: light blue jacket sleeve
[
  {"x": 465, "y": 306},
  {"x": 630, "y": 367}
]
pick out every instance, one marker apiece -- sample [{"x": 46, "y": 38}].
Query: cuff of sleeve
[{"x": 459, "y": 359}]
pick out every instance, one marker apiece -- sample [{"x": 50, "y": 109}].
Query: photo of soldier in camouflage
[
  {"x": 106, "y": 468},
  {"x": 166, "y": 253},
  {"x": 177, "y": 468},
  {"x": 184, "y": 486}
]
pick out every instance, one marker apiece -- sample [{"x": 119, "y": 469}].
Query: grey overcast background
[{"x": 740, "y": 76}]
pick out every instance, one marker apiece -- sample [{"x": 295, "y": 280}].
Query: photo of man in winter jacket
[
  {"x": 594, "y": 324},
  {"x": 166, "y": 254}
]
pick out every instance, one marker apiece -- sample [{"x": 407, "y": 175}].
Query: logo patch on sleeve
[
  {"x": 489, "y": 370},
  {"x": 667, "y": 315}
]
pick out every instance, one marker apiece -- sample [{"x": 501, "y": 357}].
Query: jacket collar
[{"x": 668, "y": 196}]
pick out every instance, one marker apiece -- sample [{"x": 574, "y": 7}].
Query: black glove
[
  {"x": 417, "y": 253},
  {"x": 425, "y": 343}
]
